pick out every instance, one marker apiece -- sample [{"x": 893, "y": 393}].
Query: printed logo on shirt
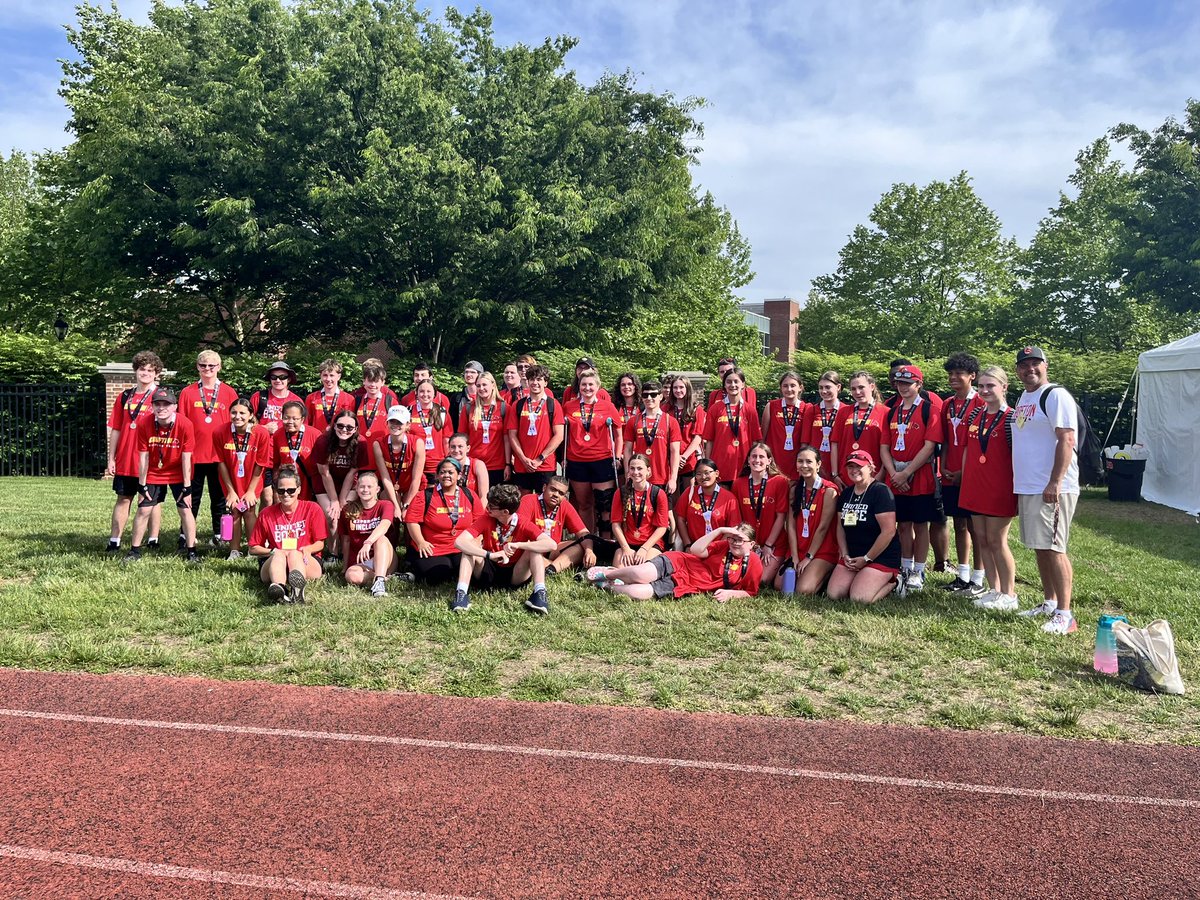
[
  {"x": 1025, "y": 413},
  {"x": 285, "y": 530}
]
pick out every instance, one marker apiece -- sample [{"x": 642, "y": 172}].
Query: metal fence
[{"x": 52, "y": 429}]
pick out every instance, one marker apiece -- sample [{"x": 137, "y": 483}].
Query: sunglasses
[
  {"x": 346, "y": 428},
  {"x": 277, "y": 378},
  {"x": 287, "y": 492},
  {"x": 646, "y": 394},
  {"x": 207, "y": 365}
]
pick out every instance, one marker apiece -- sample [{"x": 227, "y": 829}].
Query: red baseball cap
[
  {"x": 908, "y": 373},
  {"x": 860, "y": 458}
]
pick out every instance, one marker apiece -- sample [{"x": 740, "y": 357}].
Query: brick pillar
[
  {"x": 782, "y": 312},
  {"x": 699, "y": 381}
]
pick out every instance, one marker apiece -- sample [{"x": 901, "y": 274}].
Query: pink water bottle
[
  {"x": 227, "y": 527},
  {"x": 1104, "y": 659}
]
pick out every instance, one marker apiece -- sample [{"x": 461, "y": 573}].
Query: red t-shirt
[
  {"x": 722, "y": 506},
  {"x": 486, "y": 436},
  {"x": 639, "y": 518},
  {"x": 730, "y": 446},
  {"x": 625, "y": 413},
  {"x": 760, "y": 506},
  {"x": 687, "y": 434},
  {"x": 208, "y": 411},
  {"x": 437, "y": 523},
  {"x": 564, "y": 520},
  {"x": 535, "y": 444},
  {"x": 654, "y": 437},
  {"x": 327, "y": 451},
  {"x": 323, "y": 410},
  {"x": 779, "y": 421},
  {"x": 719, "y": 569},
  {"x": 819, "y": 424},
  {"x": 125, "y": 417},
  {"x": 372, "y": 414},
  {"x": 166, "y": 447},
  {"x": 272, "y": 409},
  {"x": 748, "y": 393},
  {"x": 359, "y": 528},
  {"x": 871, "y": 424},
  {"x": 907, "y": 434},
  {"x": 439, "y": 398},
  {"x": 588, "y": 433},
  {"x": 495, "y": 537},
  {"x": 954, "y": 430},
  {"x": 437, "y": 440},
  {"x": 398, "y": 464},
  {"x": 255, "y": 447},
  {"x": 305, "y": 526},
  {"x": 987, "y": 482},
  {"x": 297, "y": 449},
  {"x": 813, "y": 502}
]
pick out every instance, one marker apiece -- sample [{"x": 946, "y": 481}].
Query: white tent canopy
[{"x": 1168, "y": 423}]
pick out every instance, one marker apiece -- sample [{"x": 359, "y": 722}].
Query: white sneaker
[
  {"x": 915, "y": 581},
  {"x": 234, "y": 554},
  {"x": 1045, "y": 608},
  {"x": 983, "y": 599},
  {"x": 1062, "y": 622},
  {"x": 999, "y": 603}
]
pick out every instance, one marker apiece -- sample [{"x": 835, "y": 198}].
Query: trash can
[{"x": 1124, "y": 477}]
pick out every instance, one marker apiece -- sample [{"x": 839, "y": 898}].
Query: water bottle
[
  {"x": 1104, "y": 659},
  {"x": 789, "y": 582},
  {"x": 227, "y": 527}
]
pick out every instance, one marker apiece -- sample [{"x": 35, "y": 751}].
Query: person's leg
[
  {"x": 155, "y": 523},
  {"x": 920, "y": 545},
  {"x": 216, "y": 497},
  {"x": 1002, "y": 558},
  {"x": 812, "y": 579},
  {"x": 904, "y": 530},
  {"x": 602, "y": 498},
  {"x": 187, "y": 523},
  {"x": 633, "y": 591},
  {"x": 982, "y": 536},
  {"x": 642, "y": 573},
  {"x": 585, "y": 502},
  {"x": 197, "y": 495},
  {"x": 568, "y": 558},
  {"x": 120, "y": 516},
  {"x": 939, "y": 539},
  {"x": 770, "y": 569},
  {"x": 839, "y": 583},
  {"x": 356, "y": 575},
  {"x": 1057, "y": 576},
  {"x": 276, "y": 569},
  {"x": 870, "y": 585},
  {"x": 141, "y": 522},
  {"x": 333, "y": 541}
]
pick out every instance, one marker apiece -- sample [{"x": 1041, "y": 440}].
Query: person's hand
[
  {"x": 802, "y": 564},
  {"x": 250, "y": 499},
  {"x": 111, "y": 468},
  {"x": 589, "y": 558},
  {"x": 767, "y": 555},
  {"x": 231, "y": 501},
  {"x": 724, "y": 595},
  {"x": 1050, "y": 494},
  {"x": 900, "y": 482},
  {"x": 143, "y": 491},
  {"x": 952, "y": 478},
  {"x": 501, "y": 557},
  {"x": 672, "y": 484},
  {"x": 364, "y": 552},
  {"x": 641, "y": 556},
  {"x": 424, "y": 548},
  {"x": 272, "y": 425},
  {"x": 626, "y": 558}
]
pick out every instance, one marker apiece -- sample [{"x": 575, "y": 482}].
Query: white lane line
[
  {"x": 214, "y": 876},
  {"x": 519, "y": 750}
]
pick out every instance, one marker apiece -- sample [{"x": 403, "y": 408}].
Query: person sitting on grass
[
  {"x": 363, "y": 527},
  {"x": 435, "y": 519},
  {"x": 722, "y": 562},
  {"x": 503, "y": 549},
  {"x": 556, "y": 516},
  {"x": 288, "y": 539},
  {"x": 812, "y": 533},
  {"x": 868, "y": 544}
]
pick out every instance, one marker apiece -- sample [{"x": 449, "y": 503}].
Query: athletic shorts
[
  {"x": 268, "y": 477},
  {"x": 919, "y": 509},
  {"x": 1043, "y": 525},
  {"x": 157, "y": 493},
  {"x": 597, "y": 471},
  {"x": 125, "y": 485},
  {"x": 531, "y": 481},
  {"x": 664, "y": 585},
  {"x": 494, "y": 576},
  {"x": 950, "y": 502}
]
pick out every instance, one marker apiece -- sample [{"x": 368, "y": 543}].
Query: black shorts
[
  {"x": 664, "y": 585},
  {"x": 495, "y": 577},
  {"x": 595, "y": 472},
  {"x": 950, "y": 502},
  {"x": 268, "y": 477},
  {"x": 125, "y": 485},
  {"x": 531, "y": 481},
  {"x": 919, "y": 509},
  {"x": 157, "y": 493},
  {"x": 939, "y": 507}
]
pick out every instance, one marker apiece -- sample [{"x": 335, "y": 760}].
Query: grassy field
[{"x": 928, "y": 659}]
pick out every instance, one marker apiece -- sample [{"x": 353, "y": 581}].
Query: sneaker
[
  {"x": 973, "y": 590},
  {"x": 537, "y": 602},
  {"x": 214, "y": 541},
  {"x": 901, "y": 589},
  {"x": 152, "y": 545},
  {"x": 276, "y": 592},
  {"x": 957, "y": 585},
  {"x": 985, "y": 598},
  {"x": 234, "y": 554},
  {"x": 915, "y": 581},
  {"x": 181, "y": 543},
  {"x": 113, "y": 548},
  {"x": 132, "y": 556},
  {"x": 1045, "y": 608},
  {"x": 191, "y": 557},
  {"x": 402, "y": 577},
  {"x": 997, "y": 602},
  {"x": 296, "y": 584},
  {"x": 1062, "y": 622},
  {"x": 379, "y": 588},
  {"x": 947, "y": 568},
  {"x": 461, "y": 602},
  {"x": 596, "y": 575}
]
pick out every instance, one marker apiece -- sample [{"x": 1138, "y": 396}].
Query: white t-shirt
[{"x": 1034, "y": 441}]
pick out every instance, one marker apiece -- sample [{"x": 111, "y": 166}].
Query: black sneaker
[
  {"x": 402, "y": 577},
  {"x": 113, "y": 548},
  {"x": 181, "y": 543},
  {"x": 276, "y": 592},
  {"x": 296, "y": 584},
  {"x": 537, "y": 602},
  {"x": 973, "y": 590},
  {"x": 133, "y": 555},
  {"x": 957, "y": 585},
  {"x": 461, "y": 601},
  {"x": 191, "y": 556},
  {"x": 152, "y": 545}
]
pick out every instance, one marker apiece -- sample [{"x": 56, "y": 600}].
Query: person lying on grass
[
  {"x": 288, "y": 539},
  {"x": 364, "y": 525},
  {"x": 722, "y": 561}
]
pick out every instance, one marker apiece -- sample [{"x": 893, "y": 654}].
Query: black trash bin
[{"x": 1124, "y": 477}]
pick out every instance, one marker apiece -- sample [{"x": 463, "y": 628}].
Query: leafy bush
[{"x": 37, "y": 359}]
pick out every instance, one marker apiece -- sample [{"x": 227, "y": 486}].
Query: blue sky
[{"x": 815, "y": 108}]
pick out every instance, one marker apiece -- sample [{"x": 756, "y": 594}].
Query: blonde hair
[
  {"x": 208, "y": 356},
  {"x": 996, "y": 372}
]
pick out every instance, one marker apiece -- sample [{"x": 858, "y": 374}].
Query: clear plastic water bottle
[
  {"x": 1104, "y": 660},
  {"x": 789, "y": 582}
]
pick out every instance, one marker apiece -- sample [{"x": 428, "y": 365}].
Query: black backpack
[{"x": 1087, "y": 445}]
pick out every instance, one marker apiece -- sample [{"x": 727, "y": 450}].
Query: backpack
[
  {"x": 1087, "y": 445},
  {"x": 560, "y": 453},
  {"x": 429, "y": 496}
]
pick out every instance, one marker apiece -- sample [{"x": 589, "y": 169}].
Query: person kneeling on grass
[
  {"x": 722, "y": 562},
  {"x": 503, "y": 549},
  {"x": 363, "y": 526},
  {"x": 288, "y": 538},
  {"x": 866, "y": 535}
]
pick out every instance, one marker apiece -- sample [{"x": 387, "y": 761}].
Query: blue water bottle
[
  {"x": 1104, "y": 660},
  {"x": 789, "y": 581}
]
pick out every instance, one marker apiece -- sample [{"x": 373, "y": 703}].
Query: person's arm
[
  {"x": 424, "y": 548},
  {"x": 555, "y": 440},
  {"x": 700, "y": 548},
  {"x": 331, "y": 490},
  {"x": 656, "y": 535},
  {"x": 914, "y": 466},
  {"x": 889, "y": 464},
  {"x": 469, "y": 545},
  {"x": 672, "y": 467},
  {"x": 790, "y": 524},
  {"x": 231, "y": 497},
  {"x": 765, "y": 419},
  {"x": 1062, "y": 459},
  {"x": 828, "y": 511},
  {"x": 776, "y": 531},
  {"x": 114, "y": 438},
  {"x": 186, "y": 466},
  {"x": 379, "y": 532},
  {"x": 385, "y": 477},
  {"x": 887, "y": 531},
  {"x": 835, "y": 463},
  {"x": 482, "y": 479},
  {"x": 543, "y": 545}
]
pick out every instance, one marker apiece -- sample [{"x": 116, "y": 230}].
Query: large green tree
[
  {"x": 254, "y": 172},
  {"x": 931, "y": 274}
]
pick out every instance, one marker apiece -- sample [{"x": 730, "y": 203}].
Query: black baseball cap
[{"x": 1030, "y": 352}]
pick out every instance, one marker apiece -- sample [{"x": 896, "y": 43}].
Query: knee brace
[{"x": 603, "y": 501}]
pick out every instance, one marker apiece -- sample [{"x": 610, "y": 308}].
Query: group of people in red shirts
[{"x": 648, "y": 490}]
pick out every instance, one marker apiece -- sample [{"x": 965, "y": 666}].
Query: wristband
[
  {"x": 867, "y": 559},
  {"x": 808, "y": 556}
]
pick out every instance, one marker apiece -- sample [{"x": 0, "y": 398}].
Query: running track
[{"x": 120, "y": 786}]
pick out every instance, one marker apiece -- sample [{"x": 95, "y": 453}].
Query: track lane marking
[
  {"x": 621, "y": 758},
  {"x": 216, "y": 876}
]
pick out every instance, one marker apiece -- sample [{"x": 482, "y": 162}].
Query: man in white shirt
[{"x": 1046, "y": 482}]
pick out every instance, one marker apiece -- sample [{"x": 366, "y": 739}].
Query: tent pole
[{"x": 1120, "y": 406}]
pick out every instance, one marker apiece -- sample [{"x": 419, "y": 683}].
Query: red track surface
[{"x": 376, "y": 795}]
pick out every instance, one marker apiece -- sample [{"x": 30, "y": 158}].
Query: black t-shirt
[{"x": 865, "y": 531}]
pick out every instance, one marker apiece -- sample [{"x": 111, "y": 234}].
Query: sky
[{"x": 814, "y": 109}]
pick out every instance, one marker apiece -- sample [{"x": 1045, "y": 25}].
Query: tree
[
  {"x": 1160, "y": 252},
  {"x": 250, "y": 172},
  {"x": 933, "y": 274}
]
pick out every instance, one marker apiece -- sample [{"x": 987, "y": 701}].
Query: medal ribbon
[
  {"x": 546, "y": 516},
  {"x": 805, "y": 503},
  {"x": 756, "y": 504},
  {"x": 639, "y": 512},
  {"x": 455, "y": 511},
  {"x": 712, "y": 502},
  {"x": 329, "y": 410},
  {"x": 586, "y": 415},
  {"x": 204, "y": 401},
  {"x": 369, "y": 417},
  {"x": 133, "y": 413},
  {"x": 828, "y": 415},
  {"x": 649, "y": 436},
  {"x": 790, "y": 422},
  {"x": 162, "y": 445},
  {"x": 240, "y": 446},
  {"x": 299, "y": 435},
  {"x": 735, "y": 425},
  {"x": 732, "y": 563},
  {"x": 396, "y": 467},
  {"x": 860, "y": 425},
  {"x": 902, "y": 419},
  {"x": 985, "y": 431}
]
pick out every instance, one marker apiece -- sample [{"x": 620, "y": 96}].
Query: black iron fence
[{"x": 52, "y": 429}]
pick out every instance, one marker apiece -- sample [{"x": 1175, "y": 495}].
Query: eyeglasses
[
  {"x": 207, "y": 365},
  {"x": 346, "y": 428},
  {"x": 277, "y": 378},
  {"x": 287, "y": 492}
]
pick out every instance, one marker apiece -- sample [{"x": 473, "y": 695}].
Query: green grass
[{"x": 927, "y": 659}]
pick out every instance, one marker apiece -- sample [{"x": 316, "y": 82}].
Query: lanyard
[
  {"x": 859, "y": 425},
  {"x": 329, "y": 410},
  {"x": 903, "y": 420},
  {"x": 985, "y": 430},
  {"x": 735, "y": 425},
  {"x": 649, "y": 436},
  {"x": 805, "y": 502},
  {"x": 369, "y": 417},
  {"x": 164, "y": 441},
  {"x": 208, "y": 405},
  {"x": 426, "y": 423},
  {"x": 586, "y": 415},
  {"x": 732, "y": 563},
  {"x": 135, "y": 411},
  {"x": 639, "y": 512},
  {"x": 295, "y": 448},
  {"x": 240, "y": 446},
  {"x": 828, "y": 414},
  {"x": 455, "y": 511},
  {"x": 954, "y": 414},
  {"x": 756, "y": 503},
  {"x": 712, "y": 502},
  {"x": 547, "y": 517},
  {"x": 397, "y": 468},
  {"x": 503, "y": 538},
  {"x": 790, "y": 421}
]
